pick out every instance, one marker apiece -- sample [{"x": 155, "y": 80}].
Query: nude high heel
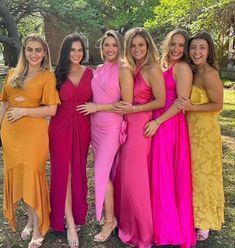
[{"x": 102, "y": 237}]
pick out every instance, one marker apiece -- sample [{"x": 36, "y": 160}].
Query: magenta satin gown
[
  {"x": 131, "y": 185},
  {"x": 69, "y": 134},
  {"x": 105, "y": 128},
  {"x": 171, "y": 186}
]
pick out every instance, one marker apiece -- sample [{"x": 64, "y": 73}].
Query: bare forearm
[
  {"x": 207, "y": 107},
  {"x": 150, "y": 106},
  {"x": 172, "y": 111},
  {"x": 44, "y": 111},
  {"x": 104, "y": 107}
]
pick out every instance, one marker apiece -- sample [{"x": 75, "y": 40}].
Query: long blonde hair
[
  {"x": 152, "y": 51},
  {"x": 22, "y": 67},
  {"x": 166, "y": 47}
]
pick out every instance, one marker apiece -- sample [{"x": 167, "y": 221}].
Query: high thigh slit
[{"x": 69, "y": 134}]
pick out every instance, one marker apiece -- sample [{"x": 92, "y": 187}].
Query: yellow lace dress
[{"x": 206, "y": 152}]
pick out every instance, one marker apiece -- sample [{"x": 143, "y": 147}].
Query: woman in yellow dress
[
  {"x": 28, "y": 98},
  {"x": 205, "y": 103}
]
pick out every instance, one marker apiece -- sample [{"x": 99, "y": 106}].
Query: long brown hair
[
  {"x": 22, "y": 67},
  {"x": 63, "y": 64},
  {"x": 166, "y": 47},
  {"x": 211, "y": 60}
]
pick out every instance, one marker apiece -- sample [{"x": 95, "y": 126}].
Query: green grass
[{"x": 228, "y": 83}]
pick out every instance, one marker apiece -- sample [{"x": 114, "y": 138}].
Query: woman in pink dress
[
  {"x": 171, "y": 186},
  {"x": 132, "y": 187},
  {"x": 69, "y": 133},
  {"x": 112, "y": 82}
]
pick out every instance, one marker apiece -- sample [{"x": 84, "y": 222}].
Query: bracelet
[
  {"x": 134, "y": 108},
  {"x": 158, "y": 123}
]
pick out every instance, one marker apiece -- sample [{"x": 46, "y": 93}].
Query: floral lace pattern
[{"x": 206, "y": 152}]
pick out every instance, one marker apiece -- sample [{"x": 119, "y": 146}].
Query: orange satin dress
[{"x": 25, "y": 148}]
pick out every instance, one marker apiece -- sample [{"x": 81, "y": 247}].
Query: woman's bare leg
[
  {"x": 72, "y": 235},
  {"x": 110, "y": 221}
]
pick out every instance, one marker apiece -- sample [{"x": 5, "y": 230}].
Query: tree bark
[{"x": 12, "y": 39}]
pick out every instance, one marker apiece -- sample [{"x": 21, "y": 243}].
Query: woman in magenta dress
[
  {"x": 132, "y": 187},
  {"x": 171, "y": 189},
  {"x": 69, "y": 133},
  {"x": 112, "y": 82}
]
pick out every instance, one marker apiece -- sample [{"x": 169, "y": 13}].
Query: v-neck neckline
[
  {"x": 79, "y": 82},
  {"x": 31, "y": 79}
]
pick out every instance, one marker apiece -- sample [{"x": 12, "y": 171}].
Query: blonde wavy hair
[
  {"x": 166, "y": 47},
  {"x": 119, "y": 40},
  {"x": 22, "y": 67},
  {"x": 152, "y": 55}
]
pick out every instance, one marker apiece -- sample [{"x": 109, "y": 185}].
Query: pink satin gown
[
  {"x": 105, "y": 128},
  {"x": 131, "y": 184},
  {"x": 171, "y": 185},
  {"x": 69, "y": 133}
]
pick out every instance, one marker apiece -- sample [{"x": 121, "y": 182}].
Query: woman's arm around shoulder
[
  {"x": 212, "y": 84},
  {"x": 214, "y": 88},
  {"x": 183, "y": 76},
  {"x": 126, "y": 83},
  {"x": 157, "y": 83}
]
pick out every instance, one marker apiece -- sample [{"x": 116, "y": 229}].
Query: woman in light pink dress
[
  {"x": 132, "y": 187},
  {"x": 112, "y": 82},
  {"x": 171, "y": 186}
]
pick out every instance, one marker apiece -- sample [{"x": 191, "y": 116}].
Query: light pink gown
[
  {"x": 171, "y": 184},
  {"x": 105, "y": 128},
  {"x": 131, "y": 185}
]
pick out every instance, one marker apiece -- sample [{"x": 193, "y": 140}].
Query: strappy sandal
[
  {"x": 26, "y": 233},
  {"x": 202, "y": 234},
  {"x": 36, "y": 243},
  {"x": 102, "y": 221},
  {"x": 102, "y": 237},
  {"x": 77, "y": 227},
  {"x": 73, "y": 243}
]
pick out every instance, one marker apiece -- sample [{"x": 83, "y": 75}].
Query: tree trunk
[{"x": 12, "y": 39}]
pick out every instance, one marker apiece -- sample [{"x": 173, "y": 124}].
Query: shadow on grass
[{"x": 228, "y": 113}]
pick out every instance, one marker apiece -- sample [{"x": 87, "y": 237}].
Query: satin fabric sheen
[
  {"x": 171, "y": 179},
  {"x": 131, "y": 184}
]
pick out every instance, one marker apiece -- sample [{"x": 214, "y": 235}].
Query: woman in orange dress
[{"x": 28, "y": 96}]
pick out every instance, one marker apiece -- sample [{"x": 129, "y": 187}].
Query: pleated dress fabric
[{"x": 69, "y": 134}]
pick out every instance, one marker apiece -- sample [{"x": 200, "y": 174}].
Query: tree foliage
[
  {"x": 87, "y": 16},
  {"x": 20, "y": 17},
  {"x": 215, "y": 16}
]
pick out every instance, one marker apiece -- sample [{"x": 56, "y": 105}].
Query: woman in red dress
[{"x": 69, "y": 133}]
